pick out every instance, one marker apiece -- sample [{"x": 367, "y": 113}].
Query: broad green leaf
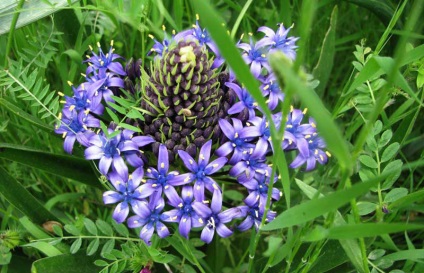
[
  {"x": 395, "y": 194},
  {"x": 71, "y": 229},
  {"x": 386, "y": 136},
  {"x": 104, "y": 227},
  {"x": 407, "y": 200},
  {"x": 22, "y": 199},
  {"x": 121, "y": 229},
  {"x": 350, "y": 231},
  {"x": 44, "y": 247},
  {"x": 31, "y": 11},
  {"x": 76, "y": 245},
  {"x": 376, "y": 254},
  {"x": 93, "y": 246},
  {"x": 323, "y": 68},
  {"x": 90, "y": 226},
  {"x": 390, "y": 152},
  {"x": 368, "y": 161},
  {"x": 317, "y": 207},
  {"x": 365, "y": 208},
  {"x": 62, "y": 165},
  {"x": 108, "y": 246},
  {"x": 395, "y": 169},
  {"x": 67, "y": 263}
]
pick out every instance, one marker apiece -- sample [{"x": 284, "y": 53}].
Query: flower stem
[{"x": 12, "y": 30}]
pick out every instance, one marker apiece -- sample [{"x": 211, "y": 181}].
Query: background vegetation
[{"x": 362, "y": 212}]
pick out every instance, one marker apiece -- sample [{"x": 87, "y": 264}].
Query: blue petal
[
  {"x": 162, "y": 230},
  {"x": 223, "y": 231},
  {"x": 184, "y": 226},
  {"x": 104, "y": 164},
  {"x": 204, "y": 153},
  {"x": 111, "y": 197},
  {"x": 226, "y": 128},
  {"x": 121, "y": 212},
  {"x": 188, "y": 161},
  {"x": 207, "y": 234},
  {"x": 163, "y": 159},
  {"x": 216, "y": 204},
  {"x": 215, "y": 165}
]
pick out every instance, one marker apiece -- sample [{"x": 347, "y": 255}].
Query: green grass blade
[
  {"x": 323, "y": 68},
  {"x": 369, "y": 230},
  {"x": 22, "y": 114},
  {"x": 21, "y": 199},
  {"x": 62, "y": 165},
  {"x": 317, "y": 207}
]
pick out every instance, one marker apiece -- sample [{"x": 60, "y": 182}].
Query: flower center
[{"x": 110, "y": 149}]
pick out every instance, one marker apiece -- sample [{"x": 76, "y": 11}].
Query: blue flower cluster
[{"x": 189, "y": 190}]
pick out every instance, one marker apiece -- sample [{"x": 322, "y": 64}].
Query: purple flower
[
  {"x": 278, "y": 40},
  {"x": 74, "y": 126},
  {"x": 127, "y": 192},
  {"x": 102, "y": 81},
  {"x": 239, "y": 138},
  {"x": 103, "y": 61},
  {"x": 271, "y": 89},
  {"x": 246, "y": 101},
  {"x": 109, "y": 150},
  {"x": 200, "y": 171},
  {"x": 215, "y": 219},
  {"x": 258, "y": 190},
  {"x": 160, "y": 48},
  {"x": 254, "y": 161},
  {"x": 160, "y": 180},
  {"x": 83, "y": 100},
  {"x": 264, "y": 130},
  {"x": 254, "y": 216},
  {"x": 133, "y": 156},
  {"x": 314, "y": 153},
  {"x": 184, "y": 213},
  {"x": 254, "y": 54},
  {"x": 294, "y": 135},
  {"x": 149, "y": 216}
]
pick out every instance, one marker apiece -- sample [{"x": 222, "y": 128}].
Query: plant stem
[{"x": 12, "y": 30}]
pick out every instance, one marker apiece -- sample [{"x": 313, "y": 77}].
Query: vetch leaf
[
  {"x": 407, "y": 200},
  {"x": 395, "y": 169},
  {"x": 376, "y": 253},
  {"x": 390, "y": 152},
  {"x": 365, "y": 208},
  {"x": 93, "y": 246},
  {"x": 104, "y": 227},
  {"x": 368, "y": 161},
  {"x": 395, "y": 194},
  {"x": 90, "y": 226},
  {"x": 386, "y": 136},
  {"x": 76, "y": 245}
]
